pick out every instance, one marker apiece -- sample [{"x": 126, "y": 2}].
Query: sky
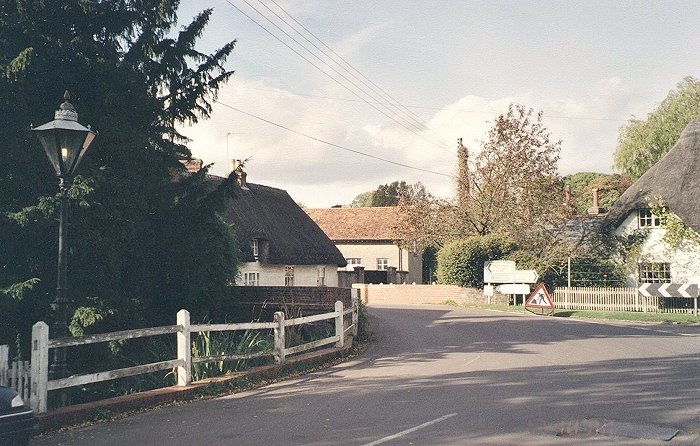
[{"x": 353, "y": 94}]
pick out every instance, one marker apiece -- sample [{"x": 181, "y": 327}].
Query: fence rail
[{"x": 35, "y": 383}]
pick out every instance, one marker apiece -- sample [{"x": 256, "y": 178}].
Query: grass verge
[{"x": 663, "y": 318}]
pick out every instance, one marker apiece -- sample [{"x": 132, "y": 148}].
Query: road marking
[{"x": 408, "y": 431}]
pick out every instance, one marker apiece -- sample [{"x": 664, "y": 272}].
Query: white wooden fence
[
  {"x": 613, "y": 299},
  {"x": 40, "y": 384},
  {"x": 14, "y": 374}
]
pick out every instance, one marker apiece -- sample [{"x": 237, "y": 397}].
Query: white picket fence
[
  {"x": 35, "y": 383},
  {"x": 613, "y": 299}
]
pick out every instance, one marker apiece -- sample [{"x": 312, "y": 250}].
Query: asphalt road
[{"x": 451, "y": 376}]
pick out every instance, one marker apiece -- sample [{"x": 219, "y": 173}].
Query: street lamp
[{"x": 65, "y": 142}]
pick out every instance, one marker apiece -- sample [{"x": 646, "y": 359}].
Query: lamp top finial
[{"x": 66, "y": 110}]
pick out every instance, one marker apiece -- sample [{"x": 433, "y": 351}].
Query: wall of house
[
  {"x": 401, "y": 259},
  {"x": 684, "y": 261},
  {"x": 273, "y": 275}
]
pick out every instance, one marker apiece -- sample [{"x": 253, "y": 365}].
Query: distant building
[
  {"x": 367, "y": 237},
  {"x": 280, "y": 244}
]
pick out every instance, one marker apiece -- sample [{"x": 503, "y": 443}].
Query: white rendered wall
[
  {"x": 684, "y": 261},
  {"x": 273, "y": 275},
  {"x": 399, "y": 258}
]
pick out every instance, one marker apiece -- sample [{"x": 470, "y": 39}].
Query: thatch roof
[
  {"x": 675, "y": 178},
  {"x": 358, "y": 224},
  {"x": 267, "y": 213}
]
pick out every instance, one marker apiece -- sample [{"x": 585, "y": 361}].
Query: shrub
[{"x": 462, "y": 262}]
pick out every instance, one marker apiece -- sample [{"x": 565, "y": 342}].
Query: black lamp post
[{"x": 65, "y": 142}]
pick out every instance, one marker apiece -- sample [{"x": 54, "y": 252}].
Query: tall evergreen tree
[{"x": 139, "y": 244}]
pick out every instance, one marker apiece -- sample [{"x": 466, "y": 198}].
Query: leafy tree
[
  {"x": 391, "y": 194},
  {"x": 642, "y": 142},
  {"x": 140, "y": 244},
  {"x": 610, "y": 187},
  {"x": 363, "y": 200},
  {"x": 513, "y": 183}
]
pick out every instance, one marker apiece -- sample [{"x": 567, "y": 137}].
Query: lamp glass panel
[{"x": 70, "y": 146}]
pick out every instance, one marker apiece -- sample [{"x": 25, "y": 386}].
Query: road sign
[
  {"x": 526, "y": 276},
  {"x": 499, "y": 271},
  {"x": 513, "y": 288},
  {"x": 669, "y": 289},
  {"x": 540, "y": 299}
]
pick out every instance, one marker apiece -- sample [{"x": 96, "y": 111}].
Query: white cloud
[{"x": 320, "y": 175}]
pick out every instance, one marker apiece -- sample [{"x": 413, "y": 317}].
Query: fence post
[
  {"x": 355, "y": 309},
  {"x": 4, "y": 364},
  {"x": 184, "y": 349},
  {"x": 279, "y": 338},
  {"x": 339, "y": 328},
  {"x": 40, "y": 367}
]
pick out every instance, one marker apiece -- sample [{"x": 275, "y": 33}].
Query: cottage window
[
  {"x": 289, "y": 275},
  {"x": 321, "y": 278},
  {"x": 251, "y": 279},
  {"x": 647, "y": 219},
  {"x": 382, "y": 264},
  {"x": 654, "y": 273},
  {"x": 254, "y": 247},
  {"x": 355, "y": 261}
]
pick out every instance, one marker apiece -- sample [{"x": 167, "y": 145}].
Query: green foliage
[
  {"x": 610, "y": 187},
  {"x": 363, "y": 200},
  {"x": 585, "y": 272},
  {"x": 364, "y": 330},
  {"x": 391, "y": 194},
  {"x": 226, "y": 343},
  {"x": 462, "y": 262},
  {"x": 642, "y": 142},
  {"x": 140, "y": 246},
  {"x": 677, "y": 232}
]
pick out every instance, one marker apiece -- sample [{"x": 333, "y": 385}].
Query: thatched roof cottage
[{"x": 673, "y": 181}]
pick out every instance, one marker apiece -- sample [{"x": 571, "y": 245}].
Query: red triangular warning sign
[{"x": 540, "y": 299}]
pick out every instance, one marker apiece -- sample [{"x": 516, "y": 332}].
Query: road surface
[{"x": 440, "y": 375}]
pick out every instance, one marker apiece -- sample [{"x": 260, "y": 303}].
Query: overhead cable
[{"x": 338, "y": 146}]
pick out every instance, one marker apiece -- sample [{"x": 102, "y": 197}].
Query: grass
[{"x": 667, "y": 318}]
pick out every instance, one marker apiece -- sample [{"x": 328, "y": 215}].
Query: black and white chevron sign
[{"x": 669, "y": 289}]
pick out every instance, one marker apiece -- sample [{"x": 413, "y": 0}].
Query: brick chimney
[
  {"x": 191, "y": 166},
  {"x": 241, "y": 175},
  {"x": 596, "y": 209}
]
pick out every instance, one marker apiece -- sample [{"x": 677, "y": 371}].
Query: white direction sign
[
  {"x": 503, "y": 271},
  {"x": 499, "y": 271},
  {"x": 513, "y": 288},
  {"x": 526, "y": 276}
]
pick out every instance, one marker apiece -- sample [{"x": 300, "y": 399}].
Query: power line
[
  {"x": 338, "y": 146},
  {"x": 439, "y": 145},
  {"x": 362, "y": 78}
]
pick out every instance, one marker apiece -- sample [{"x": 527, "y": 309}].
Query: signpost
[
  {"x": 513, "y": 281},
  {"x": 503, "y": 271},
  {"x": 513, "y": 288},
  {"x": 499, "y": 271}
]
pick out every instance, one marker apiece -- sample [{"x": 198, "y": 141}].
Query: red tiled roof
[{"x": 365, "y": 223}]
